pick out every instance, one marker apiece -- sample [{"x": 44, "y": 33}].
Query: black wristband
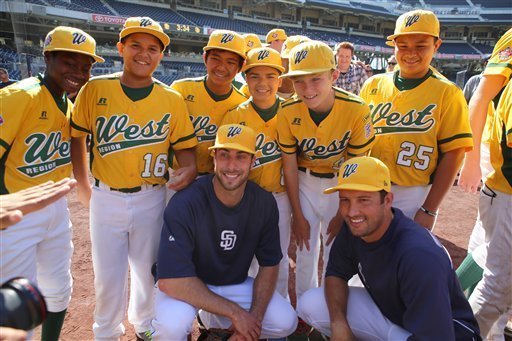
[{"x": 430, "y": 213}]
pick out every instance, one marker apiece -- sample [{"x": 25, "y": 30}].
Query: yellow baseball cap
[
  {"x": 227, "y": 41},
  {"x": 70, "y": 39},
  {"x": 144, "y": 25},
  {"x": 264, "y": 56},
  {"x": 310, "y": 58},
  {"x": 415, "y": 22},
  {"x": 235, "y": 136},
  {"x": 290, "y": 43},
  {"x": 252, "y": 41},
  {"x": 363, "y": 173},
  {"x": 276, "y": 34}
]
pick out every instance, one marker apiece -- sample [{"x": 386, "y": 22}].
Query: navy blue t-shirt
[
  {"x": 409, "y": 276},
  {"x": 203, "y": 238}
]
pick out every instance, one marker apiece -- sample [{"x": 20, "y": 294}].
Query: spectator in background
[
  {"x": 369, "y": 70},
  {"x": 275, "y": 39},
  {"x": 4, "y": 78},
  {"x": 352, "y": 75},
  {"x": 391, "y": 64}
]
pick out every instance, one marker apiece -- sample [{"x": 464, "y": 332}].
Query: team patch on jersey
[
  {"x": 45, "y": 153},
  {"x": 115, "y": 133},
  {"x": 312, "y": 151},
  {"x": 386, "y": 121},
  {"x": 227, "y": 239},
  {"x": 368, "y": 130},
  {"x": 296, "y": 121},
  {"x": 505, "y": 54},
  {"x": 44, "y": 115},
  {"x": 189, "y": 98},
  {"x": 1, "y": 119}
]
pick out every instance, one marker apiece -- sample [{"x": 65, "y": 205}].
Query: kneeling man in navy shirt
[
  {"x": 212, "y": 230},
  {"x": 410, "y": 289}
]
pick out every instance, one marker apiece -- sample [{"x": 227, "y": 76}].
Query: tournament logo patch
[
  {"x": 274, "y": 35},
  {"x": 48, "y": 40},
  {"x": 250, "y": 44},
  {"x": 505, "y": 54},
  {"x": 349, "y": 170}
]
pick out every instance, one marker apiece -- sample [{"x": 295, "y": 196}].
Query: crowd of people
[{"x": 198, "y": 186}]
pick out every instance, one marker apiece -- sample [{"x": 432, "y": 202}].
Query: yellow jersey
[
  {"x": 346, "y": 131},
  {"x": 131, "y": 140},
  {"x": 34, "y": 136}
]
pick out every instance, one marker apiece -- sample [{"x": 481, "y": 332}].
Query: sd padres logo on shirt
[{"x": 227, "y": 239}]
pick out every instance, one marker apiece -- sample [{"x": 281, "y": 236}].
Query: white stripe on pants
[
  {"x": 319, "y": 209},
  {"x": 173, "y": 318},
  {"x": 364, "y": 317},
  {"x": 125, "y": 230}
]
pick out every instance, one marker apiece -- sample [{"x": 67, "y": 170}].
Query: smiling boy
[
  {"x": 318, "y": 129},
  {"x": 421, "y": 120},
  {"x": 262, "y": 72},
  {"x": 135, "y": 123},
  {"x": 208, "y": 98},
  {"x": 35, "y": 148}
]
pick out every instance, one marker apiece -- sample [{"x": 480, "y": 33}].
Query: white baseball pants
[
  {"x": 319, "y": 209},
  {"x": 40, "y": 248},
  {"x": 409, "y": 199},
  {"x": 125, "y": 231},
  {"x": 364, "y": 317},
  {"x": 283, "y": 205},
  {"x": 173, "y": 318},
  {"x": 492, "y": 296}
]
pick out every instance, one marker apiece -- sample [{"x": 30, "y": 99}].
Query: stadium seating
[
  {"x": 96, "y": 6},
  {"x": 498, "y": 17},
  {"x": 493, "y": 3},
  {"x": 456, "y": 48},
  {"x": 484, "y": 48},
  {"x": 447, "y": 3},
  {"x": 70, "y": 6},
  {"x": 160, "y": 14},
  {"x": 37, "y": 2}
]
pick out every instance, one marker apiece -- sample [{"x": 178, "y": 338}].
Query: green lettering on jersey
[
  {"x": 45, "y": 153},
  {"x": 115, "y": 133},
  {"x": 394, "y": 122}
]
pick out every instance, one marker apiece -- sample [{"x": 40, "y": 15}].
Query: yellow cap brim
[
  {"x": 208, "y": 48},
  {"x": 277, "y": 67},
  {"x": 93, "y": 56},
  {"x": 304, "y": 72},
  {"x": 391, "y": 38},
  {"x": 354, "y": 187},
  {"x": 164, "y": 38},
  {"x": 234, "y": 146}
]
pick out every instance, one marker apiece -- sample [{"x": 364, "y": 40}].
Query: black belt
[
  {"x": 318, "y": 175},
  {"x": 123, "y": 190}
]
